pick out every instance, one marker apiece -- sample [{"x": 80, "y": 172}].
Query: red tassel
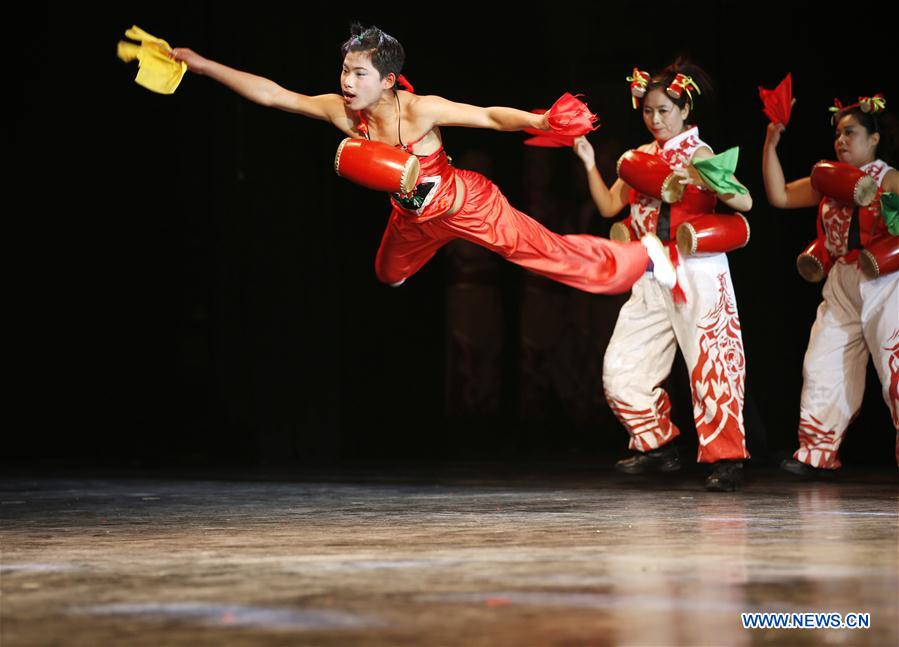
[{"x": 677, "y": 291}]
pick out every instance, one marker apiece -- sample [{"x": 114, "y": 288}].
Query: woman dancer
[
  {"x": 700, "y": 316},
  {"x": 859, "y": 316}
]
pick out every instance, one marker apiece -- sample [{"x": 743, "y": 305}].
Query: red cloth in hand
[
  {"x": 550, "y": 140},
  {"x": 547, "y": 138},
  {"x": 778, "y": 102},
  {"x": 570, "y": 116}
]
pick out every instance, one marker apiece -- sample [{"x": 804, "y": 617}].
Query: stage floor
[{"x": 455, "y": 556}]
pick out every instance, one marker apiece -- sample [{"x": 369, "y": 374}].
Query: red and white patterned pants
[
  {"x": 857, "y": 319},
  {"x": 707, "y": 328}
]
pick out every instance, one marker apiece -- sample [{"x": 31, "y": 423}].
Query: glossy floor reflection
[{"x": 454, "y": 558}]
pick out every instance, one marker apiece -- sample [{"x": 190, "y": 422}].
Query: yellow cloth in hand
[{"x": 156, "y": 71}]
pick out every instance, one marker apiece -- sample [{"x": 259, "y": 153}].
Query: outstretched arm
[
  {"x": 780, "y": 194},
  {"x": 258, "y": 89},
  {"x": 442, "y": 112},
  {"x": 609, "y": 201}
]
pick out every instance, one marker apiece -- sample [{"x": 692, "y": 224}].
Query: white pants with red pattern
[
  {"x": 858, "y": 317},
  {"x": 640, "y": 354}
]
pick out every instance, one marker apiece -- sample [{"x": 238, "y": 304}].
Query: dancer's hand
[
  {"x": 584, "y": 150},
  {"x": 689, "y": 175},
  {"x": 195, "y": 62},
  {"x": 774, "y": 132}
]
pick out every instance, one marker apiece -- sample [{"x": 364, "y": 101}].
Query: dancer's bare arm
[
  {"x": 794, "y": 195},
  {"x": 258, "y": 89},
  {"x": 442, "y": 112},
  {"x": 609, "y": 201}
]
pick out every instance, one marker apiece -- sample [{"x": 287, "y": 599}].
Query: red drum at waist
[
  {"x": 712, "y": 233},
  {"x": 622, "y": 231},
  {"x": 650, "y": 176},
  {"x": 376, "y": 165},
  {"x": 880, "y": 257},
  {"x": 814, "y": 262},
  {"x": 844, "y": 183}
]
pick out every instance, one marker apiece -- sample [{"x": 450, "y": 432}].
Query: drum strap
[
  {"x": 663, "y": 227},
  {"x": 855, "y": 239}
]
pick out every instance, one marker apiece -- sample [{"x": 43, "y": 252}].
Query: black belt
[
  {"x": 855, "y": 238},
  {"x": 663, "y": 227}
]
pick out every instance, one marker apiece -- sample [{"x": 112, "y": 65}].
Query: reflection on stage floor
[{"x": 459, "y": 556}]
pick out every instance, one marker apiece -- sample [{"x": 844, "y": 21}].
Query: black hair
[
  {"x": 882, "y": 123},
  {"x": 387, "y": 54},
  {"x": 663, "y": 78},
  {"x": 867, "y": 120}
]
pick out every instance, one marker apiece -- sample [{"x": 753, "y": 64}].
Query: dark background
[{"x": 192, "y": 283}]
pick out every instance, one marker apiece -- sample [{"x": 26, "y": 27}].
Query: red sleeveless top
[{"x": 435, "y": 192}]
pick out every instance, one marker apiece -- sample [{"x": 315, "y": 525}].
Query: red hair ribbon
[
  {"x": 873, "y": 105},
  {"x": 682, "y": 83},
  {"x": 638, "y": 80},
  {"x": 877, "y": 103},
  {"x": 836, "y": 109},
  {"x": 403, "y": 81}
]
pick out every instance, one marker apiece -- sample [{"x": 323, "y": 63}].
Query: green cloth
[
  {"x": 718, "y": 172},
  {"x": 889, "y": 211}
]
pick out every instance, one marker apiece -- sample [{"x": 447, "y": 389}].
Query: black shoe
[
  {"x": 806, "y": 471},
  {"x": 663, "y": 459},
  {"x": 726, "y": 477}
]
